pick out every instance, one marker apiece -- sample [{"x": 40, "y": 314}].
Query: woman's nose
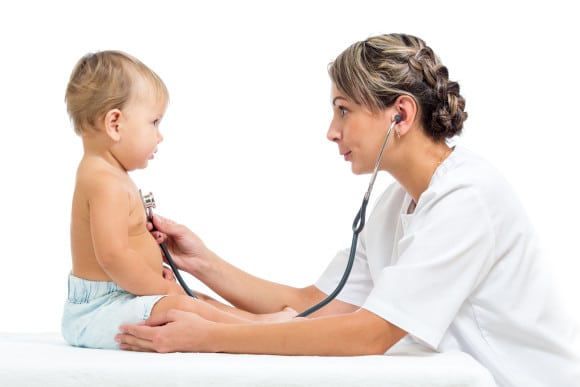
[{"x": 333, "y": 134}]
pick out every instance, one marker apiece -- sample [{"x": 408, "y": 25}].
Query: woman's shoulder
[
  {"x": 465, "y": 167},
  {"x": 465, "y": 170}
]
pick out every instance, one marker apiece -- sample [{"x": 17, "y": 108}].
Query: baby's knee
[{"x": 181, "y": 302}]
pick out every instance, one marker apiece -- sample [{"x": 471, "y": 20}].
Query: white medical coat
[{"x": 463, "y": 272}]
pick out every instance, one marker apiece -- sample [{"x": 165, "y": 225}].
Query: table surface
[{"x": 44, "y": 359}]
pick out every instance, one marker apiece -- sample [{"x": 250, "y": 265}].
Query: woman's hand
[
  {"x": 174, "y": 331},
  {"x": 186, "y": 248}
]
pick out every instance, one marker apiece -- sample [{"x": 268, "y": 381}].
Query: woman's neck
[{"x": 417, "y": 164}]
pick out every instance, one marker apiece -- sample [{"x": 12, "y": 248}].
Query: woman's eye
[{"x": 342, "y": 111}]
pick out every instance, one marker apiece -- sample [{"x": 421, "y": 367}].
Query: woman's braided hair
[{"x": 374, "y": 72}]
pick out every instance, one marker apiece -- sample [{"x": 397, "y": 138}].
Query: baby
[{"x": 116, "y": 104}]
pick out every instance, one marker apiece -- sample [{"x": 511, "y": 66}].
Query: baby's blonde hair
[{"x": 102, "y": 81}]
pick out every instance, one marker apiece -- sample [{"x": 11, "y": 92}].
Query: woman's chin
[{"x": 357, "y": 170}]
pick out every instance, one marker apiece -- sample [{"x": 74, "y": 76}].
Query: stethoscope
[
  {"x": 357, "y": 226},
  {"x": 149, "y": 203}
]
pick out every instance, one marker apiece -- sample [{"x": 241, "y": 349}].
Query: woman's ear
[
  {"x": 113, "y": 124},
  {"x": 406, "y": 108}
]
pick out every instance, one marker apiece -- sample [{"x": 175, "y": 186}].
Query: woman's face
[{"x": 357, "y": 131}]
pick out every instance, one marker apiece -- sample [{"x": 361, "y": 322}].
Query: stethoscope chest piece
[{"x": 149, "y": 204}]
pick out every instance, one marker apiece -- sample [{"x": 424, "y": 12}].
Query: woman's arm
[
  {"x": 257, "y": 295},
  {"x": 356, "y": 333},
  {"x": 241, "y": 289}
]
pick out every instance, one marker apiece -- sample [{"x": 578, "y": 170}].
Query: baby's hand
[{"x": 168, "y": 274}]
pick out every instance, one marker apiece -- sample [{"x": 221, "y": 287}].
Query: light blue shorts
[{"x": 95, "y": 309}]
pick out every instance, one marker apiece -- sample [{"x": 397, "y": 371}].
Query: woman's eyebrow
[{"x": 335, "y": 98}]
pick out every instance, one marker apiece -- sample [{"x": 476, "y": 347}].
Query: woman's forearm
[
  {"x": 358, "y": 333},
  {"x": 248, "y": 292}
]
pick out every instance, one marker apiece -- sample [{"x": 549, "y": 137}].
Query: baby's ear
[{"x": 113, "y": 124}]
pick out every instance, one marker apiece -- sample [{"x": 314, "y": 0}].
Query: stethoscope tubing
[
  {"x": 357, "y": 226},
  {"x": 349, "y": 264},
  {"x": 149, "y": 203},
  {"x": 175, "y": 270}
]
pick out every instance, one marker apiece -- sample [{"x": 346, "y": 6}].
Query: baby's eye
[{"x": 156, "y": 123}]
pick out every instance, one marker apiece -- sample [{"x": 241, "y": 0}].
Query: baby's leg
[
  {"x": 190, "y": 304},
  {"x": 283, "y": 315}
]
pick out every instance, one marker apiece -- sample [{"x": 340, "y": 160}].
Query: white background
[{"x": 245, "y": 162}]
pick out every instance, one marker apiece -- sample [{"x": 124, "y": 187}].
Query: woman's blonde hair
[
  {"x": 103, "y": 81},
  {"x": 374, "y": 72}
]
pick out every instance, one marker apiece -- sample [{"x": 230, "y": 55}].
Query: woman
[{"x": 448, "y": 258}]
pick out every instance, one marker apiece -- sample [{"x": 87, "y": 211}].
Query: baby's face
[{"x": 139, "y": 126}]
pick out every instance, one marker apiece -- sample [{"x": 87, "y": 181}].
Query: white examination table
[{"x": 30, "y": 360}]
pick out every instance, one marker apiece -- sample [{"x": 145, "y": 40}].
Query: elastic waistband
[{"x": 81, "y": 290}]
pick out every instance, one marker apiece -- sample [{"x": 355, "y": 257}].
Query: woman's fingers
[
  {"x": 168, "y": 332},
  {"x": 143, "y": 336},
  {"x": 136, "y": 338}
]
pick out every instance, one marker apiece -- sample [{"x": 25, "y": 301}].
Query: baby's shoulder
[
  {"x": 94, "y": 175},
  {"x": 92, "y": 169}
]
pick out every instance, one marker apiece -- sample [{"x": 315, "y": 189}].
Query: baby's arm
[{"x": 109, "y": 200}]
